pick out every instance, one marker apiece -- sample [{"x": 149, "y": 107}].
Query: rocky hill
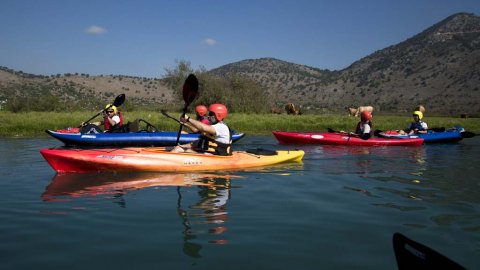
[
  {"x": 439, "y": 68},
  {"x": 73, "y": 87}
]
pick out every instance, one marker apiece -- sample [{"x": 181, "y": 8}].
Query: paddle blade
[
  {"x": 190, "y": 89},
  {"x": 467, "y": 134},
  {"x": 377, "y": 132},
  {"x": 439, "y": 129},
  {"x": 413, "y": 255},
  {"x": 119, "y": 100}
]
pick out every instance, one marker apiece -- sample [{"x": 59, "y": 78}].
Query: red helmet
[
  {"x": 219, "y": 110},
  {"x": 366, "y": 116},
  {"x": 201, "y": 110}
]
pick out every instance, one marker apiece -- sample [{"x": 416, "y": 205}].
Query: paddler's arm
[{"x": 199, "y": 126}]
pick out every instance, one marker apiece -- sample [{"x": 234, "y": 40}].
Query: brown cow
[
  {"x": 352, "y": 111},
  {"x": 420, "y": 108},
  {"x": 290, "y": 109},
  {"x": 356, "y": 112},
  {"x": 276, "y": 110}
]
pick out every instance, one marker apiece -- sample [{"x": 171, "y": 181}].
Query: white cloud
[
  {"x": 95, "y": 30},
  {"x": 209, "y": 41}
]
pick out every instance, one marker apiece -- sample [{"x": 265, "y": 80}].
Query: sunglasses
[{"x": 109, "y": 111}]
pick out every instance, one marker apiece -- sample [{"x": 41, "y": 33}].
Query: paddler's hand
[{"x": 185, "y": 119}]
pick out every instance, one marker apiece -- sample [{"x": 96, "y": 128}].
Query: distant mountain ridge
[{"x": 439, "y": 68}]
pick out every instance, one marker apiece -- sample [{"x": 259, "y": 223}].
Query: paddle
[
  {"x": 334, "y": 131},
  {"x": 342, "y": 132},
  {"x": 377, "y": 132},
  {"x": 189, "y": 92},
  {"x": 117, "y": 102},
  {"x": 168, "y": 116},
  {"x": 468, "y": 134},
  {"x": 413, "y": 255},
  {"x": 440, "y": 129}
]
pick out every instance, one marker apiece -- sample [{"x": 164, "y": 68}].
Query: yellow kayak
[{"x": 158, "y": 159}]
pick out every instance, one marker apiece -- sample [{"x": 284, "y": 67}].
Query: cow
[
  {"x": 420, "y": 108},
  {"x": 357, "y": 111},
  {"x": 290, "y": 109},
  {"x": 352, "y": 111},
  {"x": 276, "y": 110}
]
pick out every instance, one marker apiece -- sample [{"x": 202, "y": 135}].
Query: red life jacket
[{"x": 107, "y": 126}]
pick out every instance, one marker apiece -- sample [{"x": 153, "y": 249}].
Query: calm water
[{"x": 336, "y": 210}]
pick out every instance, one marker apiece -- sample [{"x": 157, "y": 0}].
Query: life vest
[
  {"x": 109, "y": 128},
  {"x": 416, "y": 125},
  {"x": 204, "y": 120},
  {"x": 359, "y": 129},
  {"x": 209, "y": 145}
]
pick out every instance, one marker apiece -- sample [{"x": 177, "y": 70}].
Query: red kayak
[{"x": 338, "y": 138}]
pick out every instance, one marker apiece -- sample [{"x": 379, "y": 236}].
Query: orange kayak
[{"x": 158, "y": 159}]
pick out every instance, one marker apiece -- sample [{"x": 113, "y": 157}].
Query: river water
[{"x": 338, "y": 209}]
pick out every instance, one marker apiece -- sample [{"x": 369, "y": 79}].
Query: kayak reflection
[
  {"x": 203, "y": 211},
  {"x": 77, "y": 185},
  {"x": 367, "y": 160}
]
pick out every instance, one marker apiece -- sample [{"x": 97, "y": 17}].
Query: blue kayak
[
  {"x": 143, "y": 138},
  {"x": 448, "y": 135}
]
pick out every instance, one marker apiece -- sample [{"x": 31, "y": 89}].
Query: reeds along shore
[{"x": 34, "y": 124}]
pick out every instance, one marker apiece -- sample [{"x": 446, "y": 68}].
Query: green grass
[{"x": 33, "y": 124}]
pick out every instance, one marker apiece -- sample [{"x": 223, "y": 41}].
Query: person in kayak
[
  {"x": 112, "y": 121},
  {"x": 417, "y": 126},
  {"x": 364, "y": 127},
  {"x": 216, "y": 138},
  {"x": 201, "y": 115}
]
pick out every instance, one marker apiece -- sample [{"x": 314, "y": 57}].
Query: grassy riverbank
[{"x": 34, "y": 124}]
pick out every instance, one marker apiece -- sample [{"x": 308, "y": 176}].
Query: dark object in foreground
[{"x": 413, "y": 255}]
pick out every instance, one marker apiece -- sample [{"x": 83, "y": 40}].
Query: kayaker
[
  {"x": 201, "y": 112},
  {"x": 216, "y": 138},
  {"x": 112, "y": 119},
  {"x": 364, "y": 127},
  {"x": 201, "y": 115},
  {"x": 417, "y": 126}
]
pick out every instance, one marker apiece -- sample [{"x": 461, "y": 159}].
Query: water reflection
[
  {"x": 210, "y": 210},
  {"x": 201, "y": 199},
  {"x": 410, "y": 179},
  {"x": 343, "y": 160},
  {"x": 65, "y": 186}
]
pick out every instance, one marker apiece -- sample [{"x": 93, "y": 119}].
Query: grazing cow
[
  {"x": 290, "y": 109},
  {"x": 352, "y": 111},
  {"x": 356, "y": 112},
  {"x": 464, "y": 116},
  {"x": 276, "y": 110},
  {"x": 420, "y": 108}
]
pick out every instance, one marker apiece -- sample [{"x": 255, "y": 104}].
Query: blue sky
[{"x": 142, "y": 38}]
